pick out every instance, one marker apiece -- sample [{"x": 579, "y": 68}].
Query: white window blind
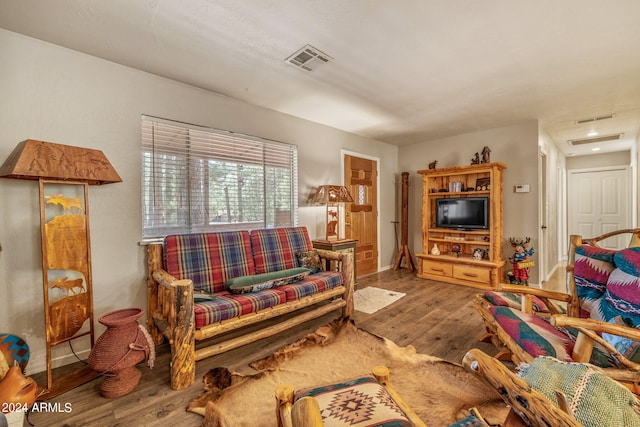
[{"x": 197, "y": 179}]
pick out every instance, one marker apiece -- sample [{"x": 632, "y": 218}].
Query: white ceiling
[{"x": 403, "y": 71}]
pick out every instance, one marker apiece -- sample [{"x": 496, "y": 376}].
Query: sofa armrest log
[
  {"x": 154, "y": 263},
  {"x": 330, "y": 255},
  {"x": 346, "y": 260},
  {"x": 171, "y": 314},
  {"x": 176, "y": 312},
  {"x": 182, "y": 329}
]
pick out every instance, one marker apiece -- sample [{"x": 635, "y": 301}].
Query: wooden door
[
  {"x": 361, "y": 216},
  {"x": 599, "y": 203}
]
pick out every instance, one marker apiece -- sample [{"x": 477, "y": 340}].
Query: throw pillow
[
  {"x": 200, "y": 295},
  {"x": 258, "y": 282},
  {"x": 592, "y": 268},
  {"x": 508, "y": 299},
  {"x": 626, "y": 346},
  {"x": 595, "y": 399},
  {"x": 358, "y": 402},
  {"x": 310, "y": 260},
  {"x": 474, "y": 419}
]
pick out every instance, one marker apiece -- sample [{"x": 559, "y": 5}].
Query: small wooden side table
[{"x": 347, "y": 245}]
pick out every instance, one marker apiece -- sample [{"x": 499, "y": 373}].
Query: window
[{"x": 197, "y": 179}]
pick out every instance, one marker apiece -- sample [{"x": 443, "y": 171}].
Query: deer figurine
[{"x": 520, "y": 262}]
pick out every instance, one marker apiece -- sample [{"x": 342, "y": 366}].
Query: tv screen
[{"x": 462, "y": 213}]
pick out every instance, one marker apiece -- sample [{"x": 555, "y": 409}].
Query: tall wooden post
[{"x": 404, "y": 248}]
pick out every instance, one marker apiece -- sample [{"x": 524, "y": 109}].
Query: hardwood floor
[{"x": 436, "y": 318}]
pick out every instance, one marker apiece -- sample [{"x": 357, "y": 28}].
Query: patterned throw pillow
[
  {"x": 508, "y": 299},
  {"x": 358, "y": 402},
  {"x": 310, "y": 260},
  {"x": 622, "y": 297},
  {"x": 592, "y": 268},
  {"x": 595, "y": 399},
  {"x": 258, "y": 282},
  {"x": 626, "y": 346}
]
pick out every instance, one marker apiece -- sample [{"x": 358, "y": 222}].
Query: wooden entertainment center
[{"x": 453, "y": 261}]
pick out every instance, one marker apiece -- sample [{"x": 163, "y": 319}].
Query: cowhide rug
[{"x": 440, "y": 392}]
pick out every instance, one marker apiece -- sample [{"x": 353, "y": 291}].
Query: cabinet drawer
[
  {"x": 474, "y": 274},
  {"x": 437, "y": 268}
]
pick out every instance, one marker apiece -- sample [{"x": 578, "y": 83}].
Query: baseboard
[{"x": 35, "y": 367}]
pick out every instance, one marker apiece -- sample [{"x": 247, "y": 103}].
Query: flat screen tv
[{"x": 463, "y": 213}]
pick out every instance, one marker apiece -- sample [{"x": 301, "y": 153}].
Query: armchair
[
  {"x": 548, "y": 392},
  {"x": 602, "y": 313}
]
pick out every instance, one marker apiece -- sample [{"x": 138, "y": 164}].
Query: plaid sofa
[
  {"x": 211, "y": 259},
  {"x": 190, "y": 299}
]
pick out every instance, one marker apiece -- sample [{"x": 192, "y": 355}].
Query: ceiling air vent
[
  {"x": 308, "y": 58},
  {"x": 603, "y": 138},
  {"x": 595, "y": 119}
]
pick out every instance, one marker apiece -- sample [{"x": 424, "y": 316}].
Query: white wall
[
  {"x": 515, "y": 146},
  {"x": 58, "y": 95},
  {"x": 554, "y": 198},
  {"x": 618, "y": 158}
]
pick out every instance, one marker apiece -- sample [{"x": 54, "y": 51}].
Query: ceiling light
[
  {"x": 603, "y": 138},
  {"x": 595, "y": 149},
  {"x": 592, "y": 133}
]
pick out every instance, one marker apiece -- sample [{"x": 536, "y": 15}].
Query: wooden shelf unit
[{"x": 462, "y": 268}]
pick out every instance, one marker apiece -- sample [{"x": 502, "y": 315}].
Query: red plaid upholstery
[
  {"x": 209, "y": 259},
  {"x": 275, "y": 249},
  {"x": 313, "y": 284},
  {"x": 226, "y": 306}
]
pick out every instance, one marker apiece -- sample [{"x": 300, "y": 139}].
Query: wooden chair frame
[
  {"x": 588, "y": 329},
  {"x": 530, "y": 405}
]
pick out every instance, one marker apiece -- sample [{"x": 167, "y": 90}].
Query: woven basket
[{"x": 116, "y": 352}]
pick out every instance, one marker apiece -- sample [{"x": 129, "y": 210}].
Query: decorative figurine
[
  {"x": 476, "y": 159},
  {"x": 485, "y": 154},
  {"x": 478, "y": 253},
  {"x": 520, "y": 260},
  {"x": 455, "y": 248},
  {"x": 433, "y": 164},
  {"x": 435, "y": 250}
]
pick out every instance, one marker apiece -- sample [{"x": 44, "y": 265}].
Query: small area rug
[
  {"x": 371, "y": 299},
  {"x": 440, "y": 392}
]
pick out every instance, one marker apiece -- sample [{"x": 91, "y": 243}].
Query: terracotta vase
[{"x": 118, "y": 350}]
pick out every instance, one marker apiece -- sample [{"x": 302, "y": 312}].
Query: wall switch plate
[{"x": 521, "y": 188}]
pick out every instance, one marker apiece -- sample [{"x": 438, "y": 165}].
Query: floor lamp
[
  {"x": 64, "y": 174},
  {"x": 332, "y": 196}
]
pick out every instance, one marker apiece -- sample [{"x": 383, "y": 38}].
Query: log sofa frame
[{"x": 171, "y": 314}]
